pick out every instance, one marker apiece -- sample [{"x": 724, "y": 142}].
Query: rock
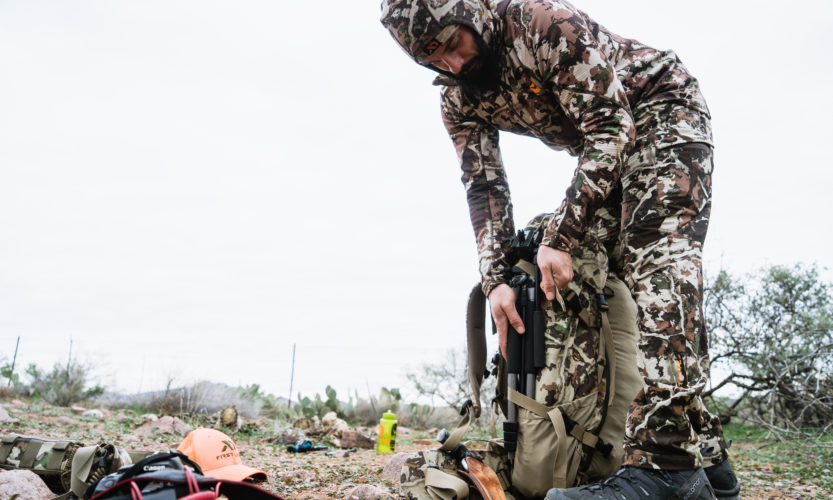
[
  {"x": 310, "y": 426},
  {"x": 94, "y": 414},
  {"x": 331, "y": 424},
  {"x": 329, "y": 419},
  {"x": 368, "y": 492},
  {"x": 64, "y": 420},
  {"x": 229, "y": 418},
  {"x": 287, "y": 435},
  {"x": 147, "y": 417},
  {"x": 424, "y": 442},
  {"x": 355, "y": 439},
  {"x": 403, "y": 431},
  {"x": 17, "y": 402},
  {"x": 164, "y": 425},
  {"x": 393, "y": 467},
  {"x": 339, "y": 427},
  {"x": 78, "y": 410},
  {"x": 23, "y": 484},
  {"x": 5, "y": 418},
  {"x": 341, "y": 453},
  {"x": 295, "y": 476}
]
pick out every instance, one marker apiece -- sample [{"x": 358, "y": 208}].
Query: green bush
[{"x": 64, "y": 385}]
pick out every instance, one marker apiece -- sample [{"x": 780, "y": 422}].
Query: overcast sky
[{"x": 190, "y": 187}]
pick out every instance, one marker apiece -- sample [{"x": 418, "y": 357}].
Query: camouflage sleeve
[
  {"x": 487, "y": 190},
  {"x": 554, "y": 41}
]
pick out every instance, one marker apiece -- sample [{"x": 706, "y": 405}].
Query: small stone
[
  {"x": 64, "y": 420},
  {"x": 5, "y": 418},
  {"x": 93, "y": 414},
  {"x": 341, "y": 453},
  {"x": 147, "y": 417},
  {"x": 424, "y": 442},
  {"x": 295, "y": 476},
  {"x": 368, "y": 492},
  {"x": 393, "y": 468},
  {"x": 165, "y": 425},
  {"x": 229, "y": 418},
  {"x": 23, "y": 484},
  {"x": 78, "y": 410}
]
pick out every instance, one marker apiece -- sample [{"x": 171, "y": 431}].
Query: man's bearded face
[{"x": 467, "y": 59}]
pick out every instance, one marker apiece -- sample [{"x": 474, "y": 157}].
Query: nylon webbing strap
[
  {"x": 559, "y": 473},
  {"x": 59, "y": 450},
  {"x": 576, "y": 429},
  {"x": 27, "y": 460},
  {"x": 530, "y": 404},
  {"x": 82, "y": 464},
  {"x": 458, "y": 433},
  {"x": 444, "y": 486},
  {"x": 6, "y": 446},
  {"x": 476, "y": 343}
]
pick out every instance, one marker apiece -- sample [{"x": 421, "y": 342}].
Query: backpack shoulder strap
[{"x": 476, "y": 343}]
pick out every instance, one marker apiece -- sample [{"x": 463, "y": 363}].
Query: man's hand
[
  {"x": 502, "y": 302},
  {"x": 556, "y": 270}
]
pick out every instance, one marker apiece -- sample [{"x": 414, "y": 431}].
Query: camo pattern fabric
[
  {"x": 666, "y": 206},
  {"x": 578, "y": 87},
  {"x": 417, "y": 25},
  {"x": 52, "y": 458},
  {"x": 574, "y": 359},
  {"x": 412, "y": 477}
]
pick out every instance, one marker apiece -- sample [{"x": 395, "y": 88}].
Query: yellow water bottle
[{"x": 387, "y": 433}]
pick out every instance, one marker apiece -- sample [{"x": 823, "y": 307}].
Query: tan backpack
[{"x": 570, "y": 431}]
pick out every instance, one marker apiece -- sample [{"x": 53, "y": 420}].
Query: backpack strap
[
  {"x": 458, "y": 433},
  {"x": 444, "y": 486},
  {"x": 571, "y": 427},
  {"x": 6, "y": 446},
  {"x": 476, "y": 344}
]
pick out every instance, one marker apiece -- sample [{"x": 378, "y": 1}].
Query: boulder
[
  {"x": 22, "y": 484},
  {"x": 164, "y": 425},
  {"x": 310, "y": 426},
  {"x": 287, "y": 435},
  {"x": 393, "y": 467},
  {"x": 355, "y": 439}
]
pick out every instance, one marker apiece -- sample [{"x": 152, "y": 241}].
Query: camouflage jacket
[
  {"x": 565, "y": 80},
  {"x": 574, "y": 85}
]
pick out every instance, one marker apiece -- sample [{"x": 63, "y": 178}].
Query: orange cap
[{"x": 217, "y": 455}]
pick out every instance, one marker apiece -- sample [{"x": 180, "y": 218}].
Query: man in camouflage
[{"x": 640, "y": 128}]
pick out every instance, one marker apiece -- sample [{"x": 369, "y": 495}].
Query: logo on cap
[{"x": 432, "y": 46}]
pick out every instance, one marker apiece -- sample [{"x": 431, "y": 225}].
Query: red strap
[
  {"x": 193, "y": 487},
  {"x": 135, "y": 492},
  {"x": 205, "y": 495}
]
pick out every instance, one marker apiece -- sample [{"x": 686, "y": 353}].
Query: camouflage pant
[{"x": 666, "y": 205}]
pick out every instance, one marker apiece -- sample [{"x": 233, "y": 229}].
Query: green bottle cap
[{"x": 388, "y": 416}]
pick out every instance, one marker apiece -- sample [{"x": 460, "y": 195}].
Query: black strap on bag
[{"x": 169, "y": 476}]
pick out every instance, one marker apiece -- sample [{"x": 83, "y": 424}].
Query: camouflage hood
[{"x": 420, "y": 26}]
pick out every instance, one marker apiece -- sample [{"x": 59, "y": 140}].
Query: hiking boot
[
  {"x": 724, "y": 481},
  {"x": 645, "y": 484}
]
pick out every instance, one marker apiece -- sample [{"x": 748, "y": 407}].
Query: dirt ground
[{"x": 313, "y": 475}]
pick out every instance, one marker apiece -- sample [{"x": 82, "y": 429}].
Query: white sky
[{"x": 187, "y": 188}]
